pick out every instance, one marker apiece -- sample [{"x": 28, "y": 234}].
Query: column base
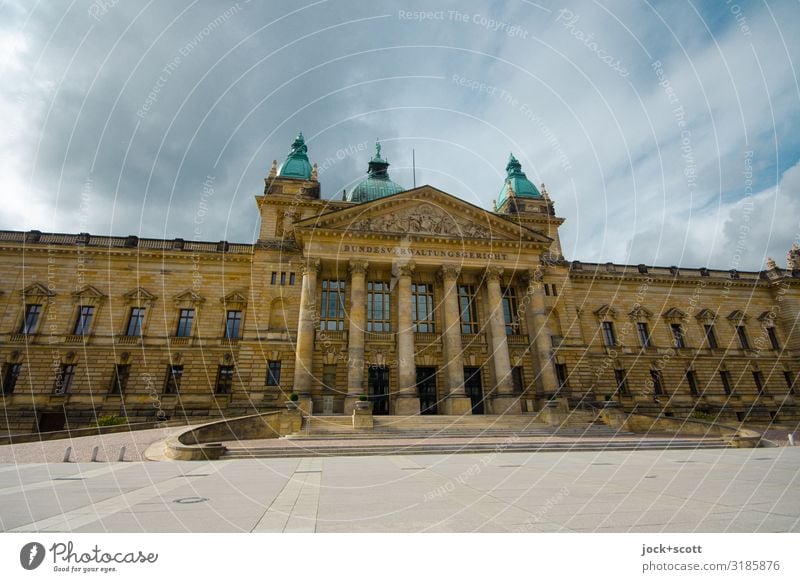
[
  {"x": 362, "y": 420},
  {"x": 406, "y": 406},
  {"x": 306, "y": 405},
  {"x": 350, "y": 403},
  {"x": 457, "y": 405},
  {"x": 506, "y": 404}
]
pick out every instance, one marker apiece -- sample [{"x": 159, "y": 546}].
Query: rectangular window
[
  {"x": 608, "y": 334},
  {"x": 32, "y": 313},
  {"x": 555, "y": 292},
  {"x": 185, "y": 320},
  {"x": 378, "y": 314},
  {"x": 233, "y": 324},
  {"x": 331, "y": 306},
  {"x": 273, "y": 373},
  {"x": 644, "y": 334},
  {"x": 658, "y": 382},
  {"x": 621, "y": 376},
  {"x": 547, "y": 289},
  {"x": 274, "y": 279},
  {"x": 678, "y": 340},
  {"x": 711, "y": 337},
  {"x": 224, "y": 380},
  {"x": 84, "y": 322},
  {"x": 283, "y": 278},
  {"x": 741, "y": 333},
  {"x": 291, "y": 278},
  {"x": 561, "y": 375},
  {"x": 789, "y": 378},
  {"x": 725, "y": 377},
  {"x": 518, "y": 379},
  {"x": 773, "y": 338},
  {"x": 329, "y": 376},
  {"x": 119, "y": 381},
  {"x": 691, "y": 380},
  {"x": 510, "y": 314},
  {"x": 10, "y": 376},
  {"x": 173, "y": 382},
  {"x": 468, "y": 309},
  {"x": 135, "y": 322},
  {"x": 64, "y": 378},
  {"x": 758, "y": 380},
  {"x": 422, "y": 307}
]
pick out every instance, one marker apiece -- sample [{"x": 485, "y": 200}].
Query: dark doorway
[
  {"x": 426, "y": 386},
  {"x": 474, "y": 388},
  {"x": 51, "y": 421},
  {"x": 378, "y": 382}
]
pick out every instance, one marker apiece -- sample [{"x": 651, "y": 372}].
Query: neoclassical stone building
[{"x": 414, "y": 298}]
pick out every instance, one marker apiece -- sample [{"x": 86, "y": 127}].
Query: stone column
[
  {"x": 358, "y": 323},
  {"x": 504, "y": 400},
  {"x": 407, "y": 401},
  {"x": 541, "y": 340},
  {"x": 306, "y": 328},
  {"x": 456, "y": 400}
]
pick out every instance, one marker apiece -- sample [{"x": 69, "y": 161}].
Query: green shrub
[
  {"x": 294, "y": 397},
  {"x": 111, "y": 420}
]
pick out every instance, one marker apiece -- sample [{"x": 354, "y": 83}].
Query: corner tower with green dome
[
  {"x": 516, "y": 185},
  {"x": 377, "y": 184},
  {"x": 296, "y": 164}
]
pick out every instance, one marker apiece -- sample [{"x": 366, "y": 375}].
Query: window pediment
[
  {"x": 705, "y": 315},
  {"x": 606, "y": 312},
  {"x": 235, "y": 300},
  {"x": 737, "y": 316},
  {"x": 674, "y": 315},
  {"x": 88, "y": 295},
  {"x": 639, "y": 313},
  {"x": 36, "y": 290},
  {"x": 140, "y": 296},
  {"x": 188, "y": 299}
]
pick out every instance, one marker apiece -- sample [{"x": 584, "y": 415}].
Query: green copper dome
[
  {"x": 377, "y": 185},
  {"x": 296, "y": 164},
  {"x": 518, "y": 181}
]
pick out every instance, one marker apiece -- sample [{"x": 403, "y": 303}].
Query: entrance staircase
[{"x": 401, "y": 435}]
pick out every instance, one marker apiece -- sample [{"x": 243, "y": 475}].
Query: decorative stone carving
[
  {"x": 423, "y": 219},
  {"x": 311, "y": 266},
  {"x": 494, "y": 273},
  {"x": 358, "y": 267},
  {"x": 793, "y": 258},
  {"x": 771, "y": 264},
  {"x": 273, "y": 171},
  {"x": 450, "y": 271},
  {"x": 407, "y": 269},
  {"x": 639, "y": 313}
]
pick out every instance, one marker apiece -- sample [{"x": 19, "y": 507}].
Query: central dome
[{"x": 377, "y": 185}]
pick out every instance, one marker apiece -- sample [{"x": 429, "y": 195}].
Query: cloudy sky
[{"x": 666, "y": 132}]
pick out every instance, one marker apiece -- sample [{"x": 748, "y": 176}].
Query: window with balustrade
[
  {"x": 31, "y": 318},
  {"x": 135, "y": 322},
  {"x": 378, "y": 314},
  {"x": 422, "y": 307},
  {"x": 331, "y": 307},
  {"x": 468, "y": 309},
  {"x": 510, "y": 312}
]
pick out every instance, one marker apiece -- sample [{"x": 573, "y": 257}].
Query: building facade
[{"x": 413, "y": 299}]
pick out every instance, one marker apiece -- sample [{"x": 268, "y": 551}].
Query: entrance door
[
  {"x": 426, "y": 387},
  {"x": 51, "y": 421},
  {"x": 378, "y": 382},
  {"x": 474, "y": 388}
]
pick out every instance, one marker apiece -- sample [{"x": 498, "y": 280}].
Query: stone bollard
[
  {"x": 95, "y": 450},
  {"x": 67, "y": 453},
  {"x": 121, "y": 454}
]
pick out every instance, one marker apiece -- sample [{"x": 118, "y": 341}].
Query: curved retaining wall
[
  {"x": 644, "y": 423},
  {"x": 205, "y": 442}
]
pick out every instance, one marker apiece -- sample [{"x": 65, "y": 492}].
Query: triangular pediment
[
  {"x": 88, "y": 292},
  {"x": 421, "y": 212},
  {"x": 706, "y": 314},
  {"x": 674, "y": 313},
  {"x": 188, "y": 296},
  {"x": 737, "y": 315},
  {"x": 36, "y": 290},
  {"x": 606, "y": 311},
  {"x": 639, "y": 312},
  {"x": 139, "y": 294},
  {"x": 235, "y": 298}
]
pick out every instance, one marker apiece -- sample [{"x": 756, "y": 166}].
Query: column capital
[
  {"x": 358, "y": 267},
  {"x": 534, "y": 276},
  {"x": 450, "y": 271},
  {"x": 311, "y": 266},
  {"x": 407, "y": 269},
  {"x": 494, "y": 273}
]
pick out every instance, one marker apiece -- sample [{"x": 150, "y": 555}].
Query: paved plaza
[{"x": 725, "y": 490}]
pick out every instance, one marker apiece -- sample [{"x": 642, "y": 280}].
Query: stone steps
[{"x": 318, "y": 450}]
